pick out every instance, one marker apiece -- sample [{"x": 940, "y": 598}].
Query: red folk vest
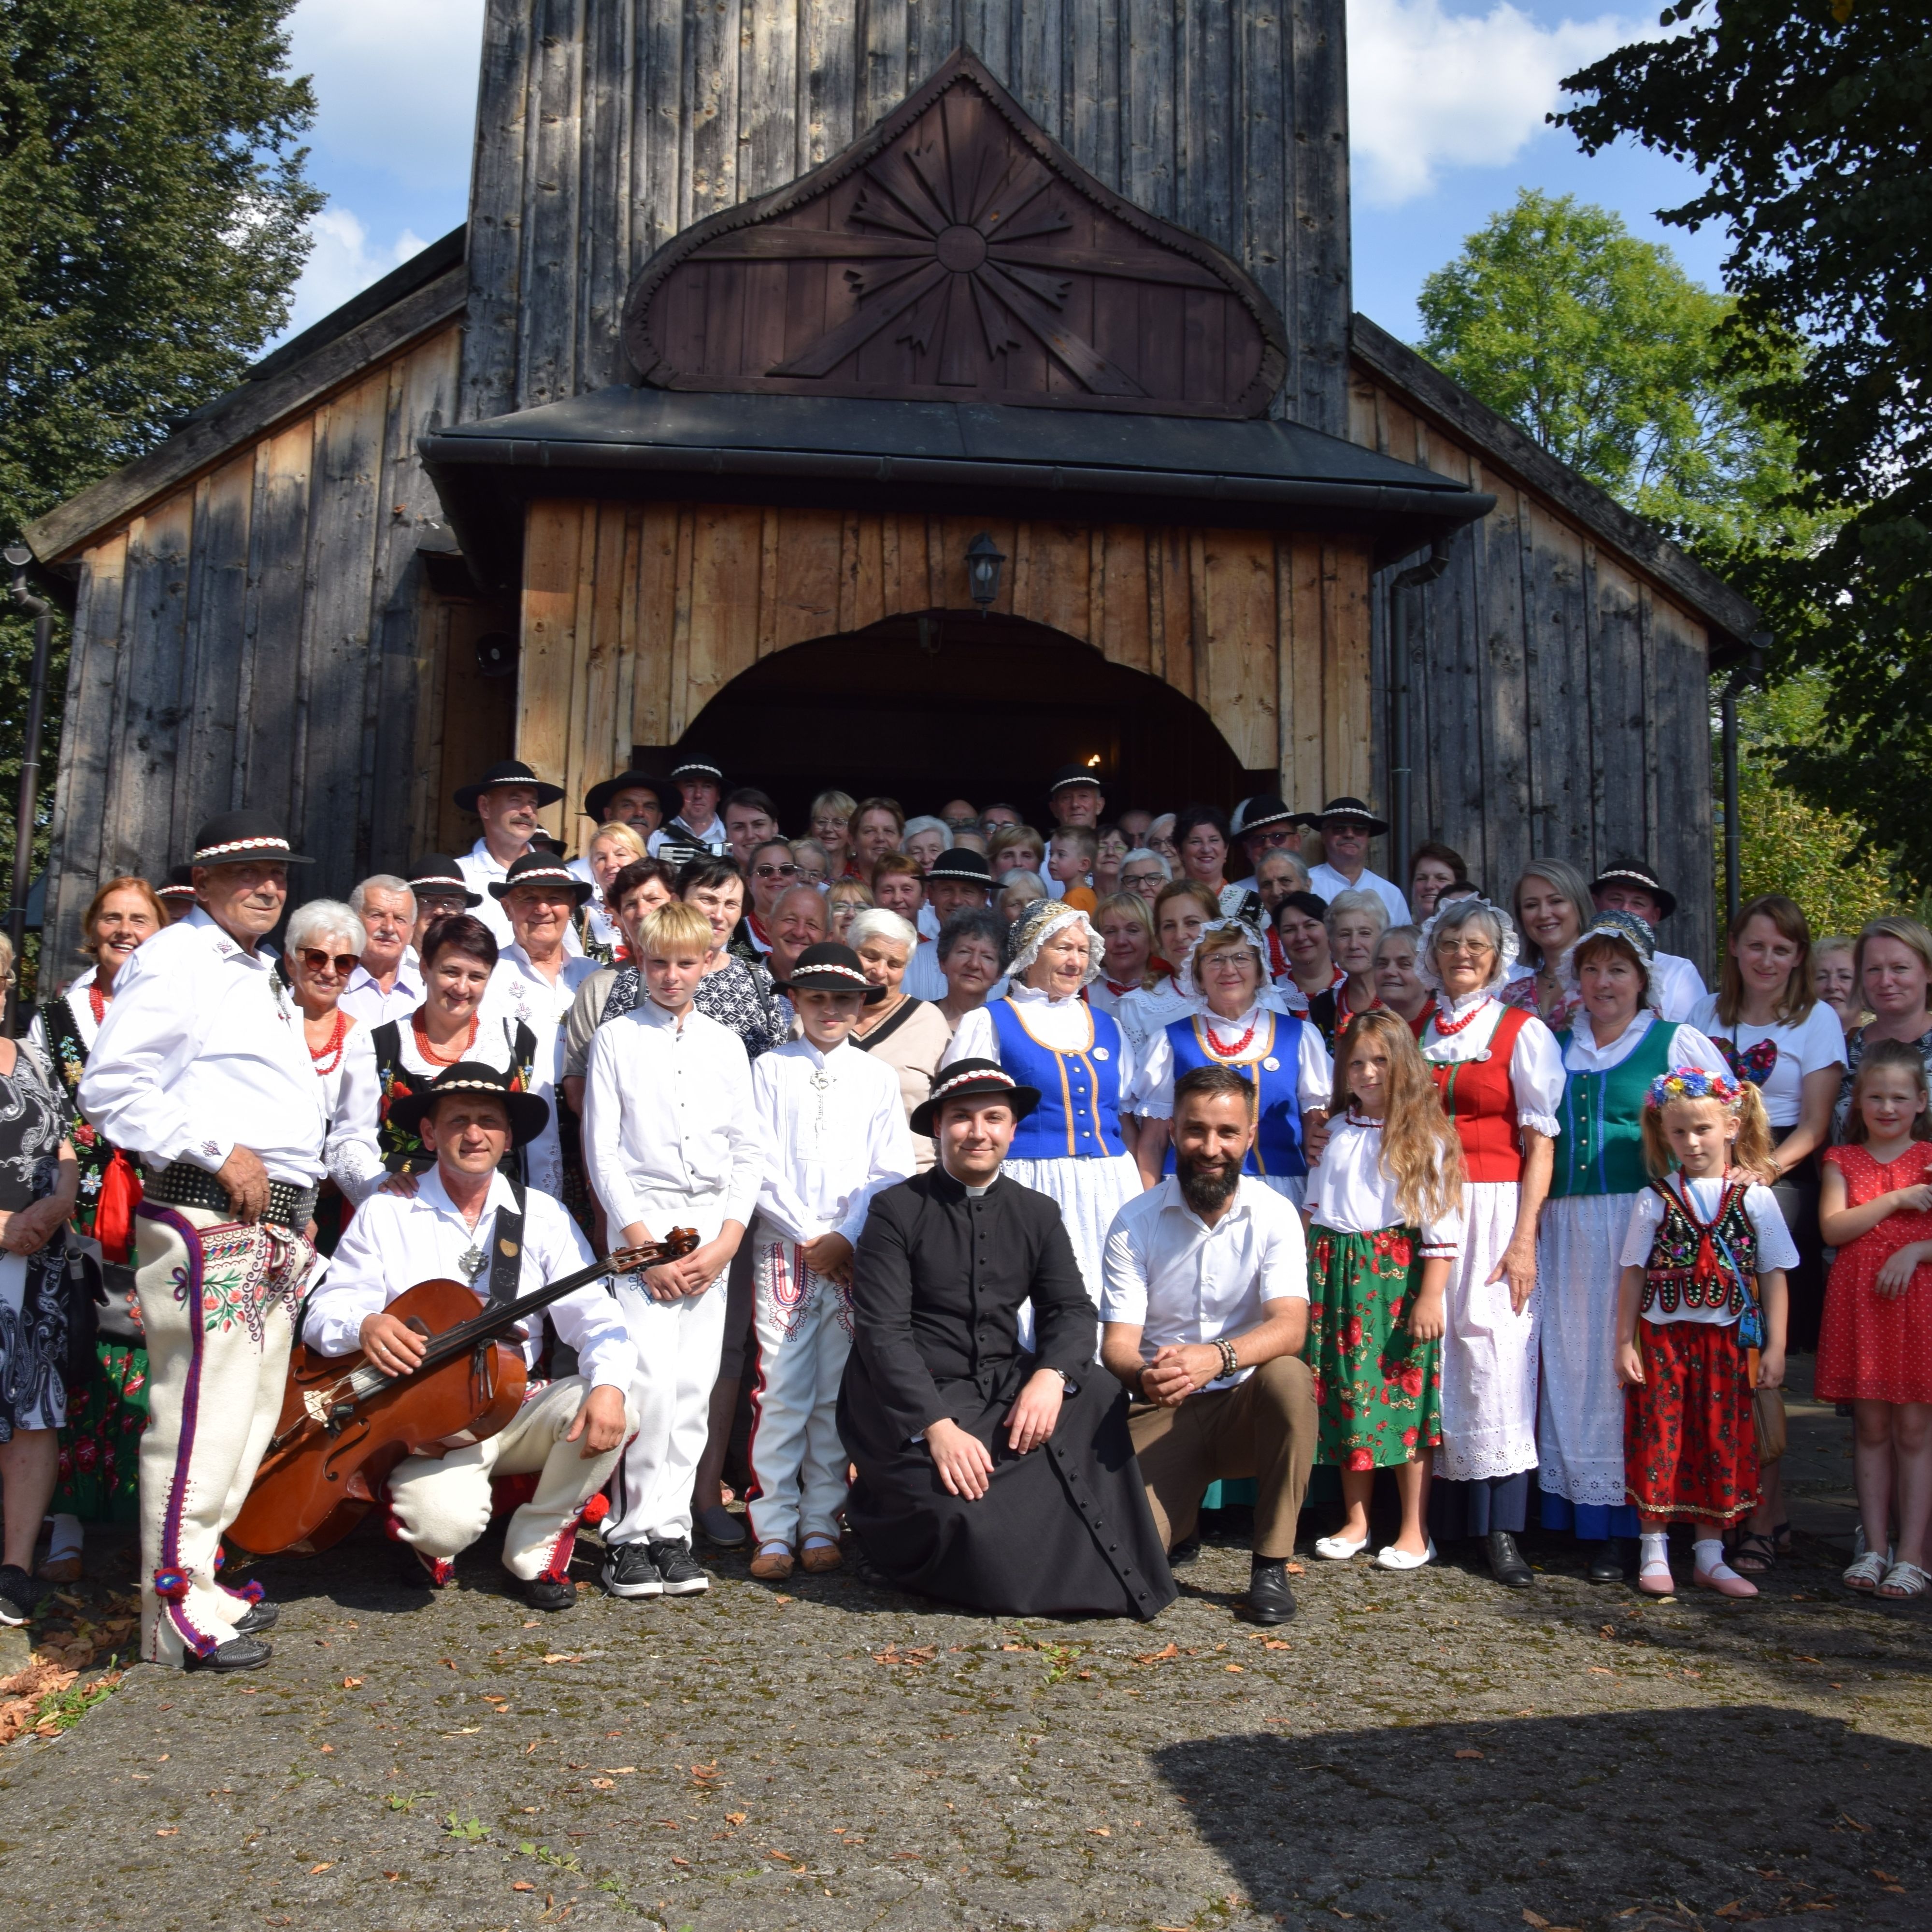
[{"x": 1478, "y": 1096}]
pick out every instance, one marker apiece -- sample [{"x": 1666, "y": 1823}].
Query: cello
[{"x": 346, "y": 1424}]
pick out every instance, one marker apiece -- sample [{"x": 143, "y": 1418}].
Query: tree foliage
[{"x": 1809, "y": 121}]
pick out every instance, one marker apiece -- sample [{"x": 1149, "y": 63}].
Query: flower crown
[{"x": 1693, "y": 1083}]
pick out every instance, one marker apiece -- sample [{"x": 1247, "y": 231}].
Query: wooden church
[{"x": 765, "y": 312}]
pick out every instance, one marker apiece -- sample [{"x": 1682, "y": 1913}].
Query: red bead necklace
[
  {"x": 1239, "y": 1047},
  {"x": 330, "y": 1056},
  {"x": 1446, "y": 1027},
  {"x": 97, "y": 1000}
]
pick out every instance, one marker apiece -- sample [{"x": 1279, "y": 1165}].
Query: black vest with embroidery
[
  {"x": 93, "y": 1152},
  {"x": 402, "y": 1150},
  {"x": 1699, "y": 1264}
]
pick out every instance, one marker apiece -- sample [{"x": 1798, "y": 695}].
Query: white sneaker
[
  {"x": 1390, "y": 1557},
  {"x": 1339, "y": 1549}
]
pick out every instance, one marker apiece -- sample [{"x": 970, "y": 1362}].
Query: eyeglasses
[
  {"x": 1475, "y": 948},
  {"x": 1142, "y": 878},
  {"x": 317, "y": 960},
  {"x": 1272, "y": 836},
  {"x": 774, "y": 872}
]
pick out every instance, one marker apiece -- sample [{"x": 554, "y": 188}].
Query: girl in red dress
[{"x": 1875, "y": 1351}]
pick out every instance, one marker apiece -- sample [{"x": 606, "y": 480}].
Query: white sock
[
  {"x": 1656, "y": 1550},
  {"x": 1709, "y": 1551},
  {"x": 66, "y": 1539}
]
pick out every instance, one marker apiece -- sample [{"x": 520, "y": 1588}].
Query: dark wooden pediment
[{"x": 956, "y": 254}]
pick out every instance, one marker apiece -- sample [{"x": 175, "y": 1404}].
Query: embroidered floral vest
[
  {"x": 1695, "y": 1264},
  {"x": 93, "y": 1152}
]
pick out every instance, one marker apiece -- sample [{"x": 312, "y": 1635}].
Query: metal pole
[
  {"x": 1727, "y": 711},
  {"x": 42, "y": 611}
]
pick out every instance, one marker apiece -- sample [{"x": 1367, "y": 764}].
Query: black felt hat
[
  {"x": 1073, "y": 774},
  {"x": 529, "y": 1113},
  {"x": 1635, "y": 872},
  {"x": 670, "y": 802},
  {"x": 1352, "y": 809},
  {"x": 1265, "y": 810},
  {"x": 236, "y": 837},
  {"x": 830, "y": 966},
  {"x": 973, "y": 1080},
  {"x": 698, "y": 765},
  {"x": 510, "y": 772},
  {"x": 179, "y": 883},
  {"x": 437, "y": 871},
  {"x": 540, "y": 867},
  {"x": 962, "y": 864}
]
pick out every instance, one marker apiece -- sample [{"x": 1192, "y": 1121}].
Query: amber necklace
[{"x": 429, "y": 1052}]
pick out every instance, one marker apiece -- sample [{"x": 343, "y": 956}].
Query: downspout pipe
[
  {"x": 1751, "y": 672},
  {"x": 1402, "y": 792},
  {"x": 18, "y": 557}
]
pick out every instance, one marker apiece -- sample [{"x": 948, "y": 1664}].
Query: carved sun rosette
[{"x": 956, "y": 253}]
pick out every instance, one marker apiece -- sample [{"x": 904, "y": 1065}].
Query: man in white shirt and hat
[
  {"x": 1629, "y": 885},
  {"x": 507, "y": 798},
  {"x": 1346, "y": 826},
  {"x": 698, "y": 828}
]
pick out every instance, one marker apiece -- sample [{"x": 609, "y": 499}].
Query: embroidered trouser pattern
[
  {"x": 678, "y": 1344},
  {"x": 802, "y": 1324},
  {"x": 214, "y": 1297},
  {"x": 441, "y": 1503}
]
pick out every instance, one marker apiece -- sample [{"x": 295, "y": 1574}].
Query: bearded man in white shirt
[
  {"x": 835, "y": 1132},
  {"x": 1203, "y": 1316},
  {"x": 201, "y": 1070},
  {"x": 467, "y": 1221},
  {"x": 671, "y": 1138}
]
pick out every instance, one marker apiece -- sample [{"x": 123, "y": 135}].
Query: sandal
[
  {"x": 1867, "y": 1573},
  {"x": 1781, "y": 1537},
  {"x": 1903, "y": 1582},
  {"x": 1754, "y": 1552}
]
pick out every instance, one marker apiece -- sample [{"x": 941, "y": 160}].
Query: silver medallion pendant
[{"x": 471, "y": 1262}]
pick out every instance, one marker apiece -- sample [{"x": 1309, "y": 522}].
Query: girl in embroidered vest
[
  {"x": 1875, "y": 1349},
  {"x": 1238, "y": 1021},
  {"x": 1073, "y": 1147},
  {"x": 1700, "y": 1319},
  {"x": 1615, "y": 1047},
  {"x": 1385, "y": 1206},
  {"x": 1499, "y": 1072}
]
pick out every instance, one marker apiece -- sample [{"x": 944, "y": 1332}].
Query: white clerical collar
[{"x": 972, "y": 1193}]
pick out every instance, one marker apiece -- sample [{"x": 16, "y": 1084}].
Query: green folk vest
[{"x": 1599, "y": 1141}]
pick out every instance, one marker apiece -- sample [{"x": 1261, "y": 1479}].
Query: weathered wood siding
[
  {"x": 1561, "y": 700},
  {"x": 636, "y": 615},
  {"x": 255, "y": 637},
  {"x": 605, "y": 126}
]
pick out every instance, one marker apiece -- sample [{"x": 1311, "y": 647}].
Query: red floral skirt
[
  {"x": 1378, "y": 1391},
  {"x": 1690, "y": 1446}
]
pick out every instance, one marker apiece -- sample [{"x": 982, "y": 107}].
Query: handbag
[
  {"x": 1767, "y": 1418},
  {"x": 82, "y": 1278}
]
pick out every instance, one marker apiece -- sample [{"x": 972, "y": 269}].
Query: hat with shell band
[
  {"x": 1256, "y": 812},
  {"x": 961, "y": 865},
  {"x": 438, "y": 873},
  {"x": 179, "y": 884},
  {"x": 1349, "y": 811},
  {"x": 1626, "y": 872},
  {"x": 499, "y": 777},
  {"x": 695, "y": 765},
  {"x": 529, "y": 1113},
  {"x": 236, "y": 837},
  {"x": 542, "y": 868},
  {"x": 830, "y": 968},
  {"x": 1074, "y": 775},
  {"x": 972, "y": 1080}
]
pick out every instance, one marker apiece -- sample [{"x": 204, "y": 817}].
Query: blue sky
[{"x": 1447, "y": 101}]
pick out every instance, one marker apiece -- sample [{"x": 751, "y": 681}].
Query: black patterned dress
[{"x": 33, "y": 1288}]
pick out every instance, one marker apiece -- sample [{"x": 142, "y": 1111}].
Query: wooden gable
[{"x": 956, "y": 253}]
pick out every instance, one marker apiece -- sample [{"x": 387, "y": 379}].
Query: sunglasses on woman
[{"x": 317, "y": 960}]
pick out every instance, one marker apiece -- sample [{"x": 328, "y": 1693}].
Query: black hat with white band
[
  {"x": 973, "y": 1080},
  {"x": 830, "y": 966},
  {"x": 1352, "y": 810},
  {"x": 499, "y": 777},
  {"x": 1073, "y": 774},
  {"x": 179, "y": 884},
  {"x": 670, "y": 803},
  {"x": 544, "y": 868},
  {"x": 962, "y": 865},
  {"x": 437, "y": 872},
  {"x": 697, "y": 765},
  {"x": 529, "y": 1113},
  {"x": 1266, "y": 810},
  {"x": 237, "y": 838},
  {"x": 1625, "y": 872}
]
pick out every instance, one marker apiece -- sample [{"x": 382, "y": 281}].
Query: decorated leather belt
[{"x": 185, "y": 1185}]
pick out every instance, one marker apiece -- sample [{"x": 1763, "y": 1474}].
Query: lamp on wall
[{"x": 983, "y": 559}]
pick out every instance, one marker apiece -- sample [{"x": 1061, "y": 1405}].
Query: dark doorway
[{"x": 989, "y": 714}]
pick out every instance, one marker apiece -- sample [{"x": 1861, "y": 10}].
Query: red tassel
[{"x": 120, "y": 1193}]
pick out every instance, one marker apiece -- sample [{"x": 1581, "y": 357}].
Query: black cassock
[{"x": 937, "y": 1285}]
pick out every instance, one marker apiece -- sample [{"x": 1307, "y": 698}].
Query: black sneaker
[
  {"x": 629, "y": 1571},
  {"x": 20, "y": 1595},
  {"x": 683, "y": 1575},
  {"x": 546, "y": 1593}
]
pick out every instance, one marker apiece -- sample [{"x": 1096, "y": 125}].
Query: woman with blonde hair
[
  {"x": 831, "y": 818},
  {"x": 611, "y": 848},
  {"x": 1892, "y": 965},
  {"x": 1384, "y": 1209},
  {"x": 1551, "y": 905},
  {"x": 1125, "y": 921},
  {"x": 843, "y": 898},
  {"x": 1835, "y": 980}
]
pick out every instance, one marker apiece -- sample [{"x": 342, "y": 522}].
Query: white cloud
[
  {"x": 1429, "y": 89},
  {"x": 395, "y": 83},
  {"x": 342, "y": 263}
]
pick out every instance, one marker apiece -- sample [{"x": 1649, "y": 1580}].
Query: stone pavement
[{"x": 1414, "y": 1751}]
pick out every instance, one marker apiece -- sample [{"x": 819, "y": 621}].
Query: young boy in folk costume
[
  {"x": 1703, "y": 1267},
  {"x": 835, "y": 1133}
]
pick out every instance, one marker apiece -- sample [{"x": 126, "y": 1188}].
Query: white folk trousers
[
  {"x": 802, "y": 1325},
  {"x": 678, "y": 1344}
]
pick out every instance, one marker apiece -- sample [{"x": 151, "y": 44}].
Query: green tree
[
  {"x": 1809, "y": 121},
  {"x": 153, "y": 207}
]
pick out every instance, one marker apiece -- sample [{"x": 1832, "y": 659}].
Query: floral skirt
[
  {"x": 100, "y": 1447},
  {"x": 1690, "y": 1446},
  {"x": 1378, "y": 1391}
]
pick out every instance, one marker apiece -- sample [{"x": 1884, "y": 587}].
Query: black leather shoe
[
  {"x": 1606, "y": 1564},
  {"x": 546, "y": 1593},
  {"x": 257, "y": 1618},
  {"x": 1185, "y": 1551},
  {"x": 238, "y": 1653},
  {"x": 1269, "y": 1600},
  {"x": 1506, "y": 1562}
]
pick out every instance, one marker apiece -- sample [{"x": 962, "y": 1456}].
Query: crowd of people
[{"x": 997, "y": 1200}]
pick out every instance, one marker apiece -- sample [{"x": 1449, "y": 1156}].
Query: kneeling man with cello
[{"x": 468, "y": 1223}]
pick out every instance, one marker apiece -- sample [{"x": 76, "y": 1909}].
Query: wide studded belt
[{"x": 185, "y": 1185}]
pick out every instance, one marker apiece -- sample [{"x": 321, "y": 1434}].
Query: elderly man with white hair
[{"x": 388, "y": 983}]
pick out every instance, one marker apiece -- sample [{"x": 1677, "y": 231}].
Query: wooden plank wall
[
  {"x": 604, "y": 127},
  {"x": 636, "y": 615},
  {"x": 254, "y": 638},
  {"x": 1562, "y": 701}
]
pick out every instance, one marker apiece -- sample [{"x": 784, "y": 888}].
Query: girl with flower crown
[{"x": 1700, "y": 1319}]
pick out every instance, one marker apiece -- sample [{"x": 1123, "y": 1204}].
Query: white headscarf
[
  {"x": 1185, "y": 982},
  {"x": 1038, "y": 924},
  {"x": 1509, "y": 946}
]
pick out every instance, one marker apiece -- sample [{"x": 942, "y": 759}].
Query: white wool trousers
[
  {"x": 678, "y": 1344},
  {"x": 441, "y": 1503},
  {"x": 802, "y": 1330},
  {"x": 214, "y": 1296}
]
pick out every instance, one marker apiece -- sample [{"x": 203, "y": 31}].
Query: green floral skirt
[
  {"x": 100, "y": 1447},
  {"x": 1379, "y": 1393}
]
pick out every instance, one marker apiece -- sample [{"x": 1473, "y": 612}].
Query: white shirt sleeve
[
  {"x": 1123, "y": 1270},
  {"x": 603, "y": 1132},
  {"x": 892, "y": 1159},
  {"x": 1640, "y": 1230},
  {"x": 779, "y": 1201},
  {"x": 1819, "y": 1043},
  {"x": 1284, "y": 1259},
  {"x": 745, "y": 1136},
  {"x": 351, "y": 1153},
  {"x": 977, "y": 1039},
  {"x": 1315, "y": 1072},
  {"x": 1775, "y": 1247},
  {"x": 355, "y": 1285},
  {"x": 1152, "y": 1094},
  {"x": 1692, "y": 1048},
  {"x": 1536, "y": 1074}
]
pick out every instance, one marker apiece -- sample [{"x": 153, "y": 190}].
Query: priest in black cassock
[{"x": 994, "y": 1477}]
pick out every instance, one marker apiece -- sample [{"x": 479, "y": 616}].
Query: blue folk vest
[
  {"x": 1277, "y": 1147},
  {"x": 1079, "y": 1116}
]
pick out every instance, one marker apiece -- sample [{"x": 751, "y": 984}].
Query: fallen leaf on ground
[
  {"x": 392, "y": 1876},
  {"x": 620, "y": 1770},
  {"x": 736, "y": 1817},
  {"x": 1276, "y": 1643},
  {"x": 1147, "y": 1656},
  {"x": 1883, "y": 1878},
  {"x": 677, "y": 1861},
  {"x": 1535, "y": 1919},
  {"x": 781, "y": 1600},
  {"x": 327, "y": 1865},
  {"x": 522, "y": 1885},
  {"x": 1730, "y": 1911},
  {"x": 561, "y": 1657},
  {"x": 603, "y": 1784},
  {"x": 1100, "y": 1832},
  {"x": 352, "y": 1683},
  {"x": 1846, "y": 1816},
  {"x": 1476, "y": 1753},
  {"x": 169, "y": 1831}
]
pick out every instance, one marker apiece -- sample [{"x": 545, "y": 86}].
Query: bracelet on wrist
[{"x": 1231, "y": 1362}]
